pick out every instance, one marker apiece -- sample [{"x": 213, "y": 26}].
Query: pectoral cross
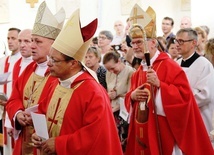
[
  {"x": 53, "y": 120},
  {"x": 135, "y": 16},
  {"x": 29, "y": 101},
  {"x": 32, "y": 2}
]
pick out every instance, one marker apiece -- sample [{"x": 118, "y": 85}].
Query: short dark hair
[
  {"x": 171, "y": 41},
  {"x": 14, "y": 29},
  {"x": 169, "y": 18},
  {"x": 191, "y": 33},
  {"x": 95, "y": 40},
  {"x": 111, "y": 56}
]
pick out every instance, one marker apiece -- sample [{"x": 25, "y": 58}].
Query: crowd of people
[{"x": 128, "y": 93}]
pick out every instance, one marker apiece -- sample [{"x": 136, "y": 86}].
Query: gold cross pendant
[{"x": 32, "y": 2}]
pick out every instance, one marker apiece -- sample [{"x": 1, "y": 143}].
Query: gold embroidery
[
  {"x": 33, "y": 90},
  {"x": 135, "y": 16},
  {"x": 56, "y": 110}
]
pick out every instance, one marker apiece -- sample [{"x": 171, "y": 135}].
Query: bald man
[{"x": 186, "y": 22}]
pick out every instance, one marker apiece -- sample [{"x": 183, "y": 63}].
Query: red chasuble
[
  {"x": 182, "y": 124},
  {"x": 15, "y": 102},
  {"x": 84, "y": 123}
]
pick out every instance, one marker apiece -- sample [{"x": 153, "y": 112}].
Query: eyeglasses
[
  {"x": 102, "y": 37},
  {"x": 53, "y": 61},
  {"x": 138, "y": 43},
  {"x": 181, "y": 41}
]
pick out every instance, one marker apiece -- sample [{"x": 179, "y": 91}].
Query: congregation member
[
  {"x": 118, "y": 79},
  {"x": 31, "y": 86},
  {"x": 92, "y": 61},
  {"x": 119, "y": 35},
  {"x": 172, "y": 49},
  {"x": 105, "y": 38},
  {"x": 77, "y": 109},
  {"x": 164, "y": 117},
  {"x": 201, "y": 40},
  {"x": 207, "y": 31},
  {"x": 209, "y": 50},
  {"x": 167, "y": 26},
  {"x": 185, "y": 22}
]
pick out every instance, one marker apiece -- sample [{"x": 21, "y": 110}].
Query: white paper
[
  {"x": 4, "y": 77},
  {"x": 32, "y": 109},
  {"x": 123, "y": 112},
  {"x": 40, "y": 125}
]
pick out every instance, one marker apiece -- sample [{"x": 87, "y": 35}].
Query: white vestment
[
  {"x": 201, "y": 78},
  {"x": 11, "y": 60}
]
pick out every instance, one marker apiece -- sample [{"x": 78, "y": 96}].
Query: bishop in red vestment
[
  {"x": 87, "y": 125},
  {"x": 181, "y": 125},
  {"x": 31, "y": 86},
  {"x": 78, "y": 112},
  {"x": 164, "y": 117},
  {"x": 18, "y": 98}
]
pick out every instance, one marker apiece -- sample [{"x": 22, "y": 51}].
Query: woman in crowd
[
  {"x": 118, "y": 77},
  {"x": 92, "y": 61}
]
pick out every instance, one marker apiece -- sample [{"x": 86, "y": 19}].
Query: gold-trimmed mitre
[
  {"x": 141, "y": 22},
  {"x": 46, "y": 24},
  {"x": 74, "y": 41}
]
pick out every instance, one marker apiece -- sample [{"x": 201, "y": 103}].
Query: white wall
[
  {"x": 202, "y": 14},
  {"x": 107, "y": 11}
]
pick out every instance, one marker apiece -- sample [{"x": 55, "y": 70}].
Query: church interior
[{"x": 21, "y": 14}]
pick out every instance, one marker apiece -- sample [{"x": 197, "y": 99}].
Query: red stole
[
  {"x": 6, "y": 68},
  {"x": 16, "y": 70}
]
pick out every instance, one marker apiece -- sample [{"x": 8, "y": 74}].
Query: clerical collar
[
  {"x": 15, "y": 57},
  {"x": 154, "y": 57},
  {"x": 28, "y": 59},
  {"x": 41, "y": 68},
  {"x": 188, "y": 62},
  {"x": 67, "y": 83},
  {"x": 143, "y": 62}
]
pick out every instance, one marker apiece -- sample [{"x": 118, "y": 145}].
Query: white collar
[
  {"x": 67, "y": 83},
  {"x": 189, "y": 56},
  {"x": 152, "y": 60},
  {"x": 41, "y": 68},
  {"x": 15, "y": 57}
]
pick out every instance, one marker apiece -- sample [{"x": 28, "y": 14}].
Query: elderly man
[
  {"x": 164, "y": 117},
  {"x": 185, "y": 22},
  {"x": 31, "y": 86}
]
